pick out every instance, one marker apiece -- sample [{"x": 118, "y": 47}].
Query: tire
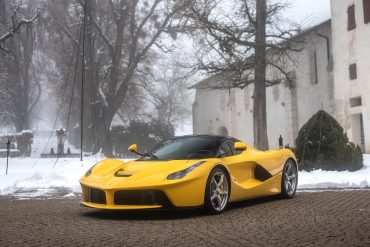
[
  {"x": 289, "y": 179},
  {"x": 217, "y": 192}
]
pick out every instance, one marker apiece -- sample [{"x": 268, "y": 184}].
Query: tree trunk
[
  {"x": 104, "y": 121},
  {"x": 259, "y": 102}
]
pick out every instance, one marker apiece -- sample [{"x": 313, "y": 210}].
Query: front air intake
[
  {"x": 141, "y": 197},
  {"x": 97, "y": 196}
]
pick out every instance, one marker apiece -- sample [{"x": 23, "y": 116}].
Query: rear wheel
[
  {"x": 289, "y": 179},
  {"x": 217, "y": 191}
]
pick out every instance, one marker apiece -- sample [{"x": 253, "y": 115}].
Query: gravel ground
[{"x": 328, "y": 218}]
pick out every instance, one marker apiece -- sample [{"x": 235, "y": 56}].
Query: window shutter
[
  {"x": 353, "y": 71},
  {"x": 366, "y": 10},
  {"x": 351, "y": 17}
]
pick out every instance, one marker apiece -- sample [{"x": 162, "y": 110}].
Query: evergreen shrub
[{"x": 322, "y": 144}]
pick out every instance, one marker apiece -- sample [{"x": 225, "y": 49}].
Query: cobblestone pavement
[{"x": 329, "y": 218}]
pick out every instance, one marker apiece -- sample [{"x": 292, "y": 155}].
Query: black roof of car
[{"x": 207, "y": 135}]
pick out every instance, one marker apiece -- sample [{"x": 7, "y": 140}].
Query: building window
[
  {"x": 314, "y": 68},
  {"x": 366, "y": 10},
  {"x": 354, "y": 102},
  {"x": 351, "y": 17},
  {"x": 353, "y": 71}
]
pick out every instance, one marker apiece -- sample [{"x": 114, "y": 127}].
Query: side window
[
  {"x": 231, "y": 144},
  {"x": 225, "y": 150}
]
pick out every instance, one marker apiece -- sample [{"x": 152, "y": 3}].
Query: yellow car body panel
[
  {"x": 113, "y": 175},
  {"x": 120, "y": 207}
]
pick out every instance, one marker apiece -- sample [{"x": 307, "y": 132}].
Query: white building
[
  {"x": 351, "y": 45},
  {"x": 321, "y": 80}
]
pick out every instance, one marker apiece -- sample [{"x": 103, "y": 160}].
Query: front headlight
[
  {"x": 182, "y": 173},
  {"x": 90, "y": 170}
]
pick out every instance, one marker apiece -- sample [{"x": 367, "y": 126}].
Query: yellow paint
[
  {"x": 189, "y": 190},
  {"x": 119, "y": 207},
  {"x": 240, "y": 146},
  {"x": 132, "y": 148}
]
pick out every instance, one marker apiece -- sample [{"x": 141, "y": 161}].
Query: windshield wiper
[{"x": 151, "y": 155}]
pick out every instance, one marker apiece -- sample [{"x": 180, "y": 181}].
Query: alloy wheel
[
  {"x": 290, "y": 178},
  {"x": 219, "y": 191}
]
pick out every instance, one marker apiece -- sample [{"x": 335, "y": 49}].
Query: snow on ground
[
  {"x": 41, "y": 176},
  {"x": 332, "y": 179},
  {"x": 35, "y": 177}
]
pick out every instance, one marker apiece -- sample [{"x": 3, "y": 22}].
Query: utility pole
[{"x": 83, "y": 78}]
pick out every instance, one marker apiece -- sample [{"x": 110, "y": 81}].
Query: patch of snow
[
  {"x": 331, "y": 190},
  {"x": 25, "y": 194},
  {"x": 29, "y": 173},
  {"x": 70, "y": 195},
  {"x": 7, "y": 134},
  {"x": 27, "y": 131},
  {"x": 28, "y": 176},
  {"x": 320, "y": 179},
  {"x": 11, "y": 150}
]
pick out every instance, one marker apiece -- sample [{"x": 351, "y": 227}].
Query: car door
[{"x": 240, "y": 167}]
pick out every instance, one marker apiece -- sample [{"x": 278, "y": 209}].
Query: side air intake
[{"x": 261, "y": 173}]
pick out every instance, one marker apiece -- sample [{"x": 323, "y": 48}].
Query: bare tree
[
  {"x": 19, "y": 91},
  {"x": 15, "y": 24},
  {"x": 259, "y": 100},
  {"x": 239, "y": 41},
  {"x": 121, "y": 39},
  {"x": 169, "y": 94}
]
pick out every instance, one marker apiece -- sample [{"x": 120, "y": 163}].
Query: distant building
[{"x": 332, "y": 73}]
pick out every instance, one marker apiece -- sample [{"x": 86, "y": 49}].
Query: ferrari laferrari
[{"x": 190, "y": 171}]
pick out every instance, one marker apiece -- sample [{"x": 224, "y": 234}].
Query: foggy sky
[{"x": 311, "y": 11}]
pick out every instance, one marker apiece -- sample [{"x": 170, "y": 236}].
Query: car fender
[{"x": 289, "y": 155}]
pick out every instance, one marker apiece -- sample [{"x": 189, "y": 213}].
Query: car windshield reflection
[{"x": 185, "y": 148}]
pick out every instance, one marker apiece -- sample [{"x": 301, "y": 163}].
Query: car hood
[
  {"x": 139, "y": 169},
  {"x": 108, "y": 173}
]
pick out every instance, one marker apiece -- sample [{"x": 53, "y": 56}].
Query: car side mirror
[
  {"x": 240, "y": 146},
  {"x": 133, "y": 148}
]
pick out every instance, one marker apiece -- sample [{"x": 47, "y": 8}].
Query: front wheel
[
  {"x": 217, "y": 191},
  {"x": 289, "y": 179}
]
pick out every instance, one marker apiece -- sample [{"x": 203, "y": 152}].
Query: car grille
[
  {"x": 141, "y": 197},
  {"x": 97, "y": 196}
]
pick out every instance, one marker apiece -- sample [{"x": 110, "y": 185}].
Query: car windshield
[{"x": 184, "y": 148}]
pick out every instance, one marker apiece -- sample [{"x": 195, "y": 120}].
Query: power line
[
  {"x": 73, "y": 89},
  {"x": 102, "y": 115},
  {"x": 60, "y": 104}
]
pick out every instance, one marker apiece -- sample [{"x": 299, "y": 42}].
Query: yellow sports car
[{"x": 190, "y": 171}]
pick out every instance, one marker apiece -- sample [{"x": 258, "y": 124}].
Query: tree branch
[
  {"x": 15, "y": 28},
  {"x": 131, "y": 68}
]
